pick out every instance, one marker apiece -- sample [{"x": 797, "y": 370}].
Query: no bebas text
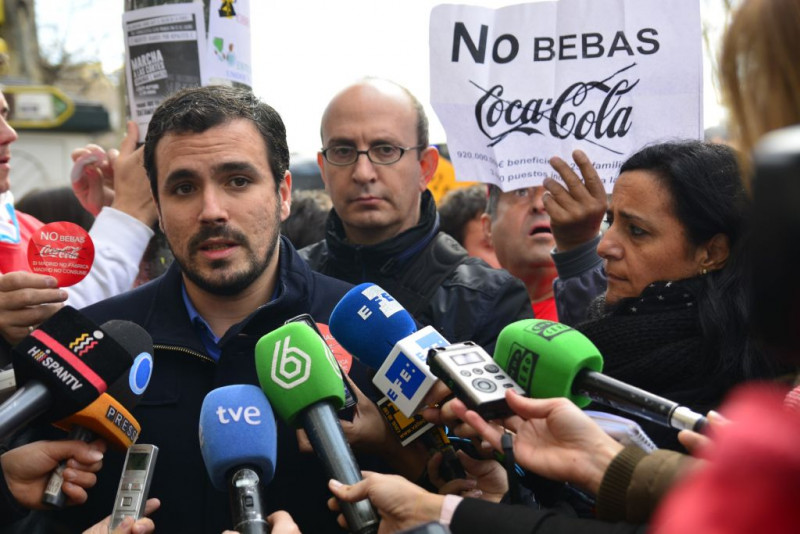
[{"x": 564, "y": 47}]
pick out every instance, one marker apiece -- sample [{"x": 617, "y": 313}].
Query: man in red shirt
[{"x": 519, "y": 228}]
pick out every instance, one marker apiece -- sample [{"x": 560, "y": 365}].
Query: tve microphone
[
  {"x": 60, "y": 368},
  {"x": 549, "y": 359},
  {"x": 238, "y": 440},
  {"x": 108, "y": 416},
  {"x": 302, "y": 380},
  {"x": 376, "y": 329}
]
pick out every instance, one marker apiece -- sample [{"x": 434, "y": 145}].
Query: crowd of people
[{"x": 680, "y": 278}]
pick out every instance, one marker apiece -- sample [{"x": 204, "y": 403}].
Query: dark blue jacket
[{"x": 183, "y": 374}]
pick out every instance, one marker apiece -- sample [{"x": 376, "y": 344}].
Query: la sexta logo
[
  {"x": 592, "y": 111},
  {"x": 290, "y": 365},
  {"x": 85, "y": 342}
]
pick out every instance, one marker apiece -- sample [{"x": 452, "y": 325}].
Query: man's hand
[
  {"x": 27, "y": 300},
  {"x": 27, "y": 469},
  {"x": 554, "y": 438},
  {"x": 115, "y": 178},
  {"x": 144, "y": 525},
  {"x": 92, "y": 177},
  {"x": 370, "y": 432},
  {"x": 400, "y": 503},
  {"x": 486, "y": 479},
  {"x": 576, "y": 212}
]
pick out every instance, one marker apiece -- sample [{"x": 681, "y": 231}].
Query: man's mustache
[{"x": 217, "y": 232}]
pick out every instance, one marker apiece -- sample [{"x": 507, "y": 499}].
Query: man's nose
[
  {"x": 7, "y": 133},
  {"x": 214, "y": 207},
  {"x": 364, "y": 169}
]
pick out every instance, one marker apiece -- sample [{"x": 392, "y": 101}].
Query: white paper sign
[
  {"x": 517, "y": 85},
  {"x": 228, "y": 57},
  {"x": 164, "y": 46}
]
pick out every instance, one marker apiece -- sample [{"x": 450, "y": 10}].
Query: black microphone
[
  {"x": 111, "y": 418},
  {"x": 549, "y": 359},
  {"x": 60, "y": 368}
]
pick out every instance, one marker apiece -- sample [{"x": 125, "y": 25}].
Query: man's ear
[
  {"x": 285, "y": 195},
  {"x": 158, "y": 211},
  {"x": 716, "y": 252},
  {"x": 486, "y": 223},
  {"x": 428, "y": 162},
  {"x": 321, "y": 165}
]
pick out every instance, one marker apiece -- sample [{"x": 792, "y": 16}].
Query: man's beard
[{"x": 236, "y": 282}]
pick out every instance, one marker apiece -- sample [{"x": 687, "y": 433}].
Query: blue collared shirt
[{"x": 207, "y": 336}]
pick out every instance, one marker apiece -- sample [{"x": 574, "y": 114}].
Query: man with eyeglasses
[
  {"x": 384, "y": 228},
  {"x": 518, "y": 226}
]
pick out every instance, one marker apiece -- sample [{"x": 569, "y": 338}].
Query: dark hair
[
  {"x": 709, "y": 198},
  {"x": 202, "y": 108},
  {"x": 54, "y": 205},
  {"x": 306, "y": 222},
  {"x": 458, "y": 207}
]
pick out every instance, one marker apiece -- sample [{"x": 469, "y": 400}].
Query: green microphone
[
  {"x": 299, "y": 375},
  {"x": 549, "y": 359},
  {"x": 544, "y": 357}
]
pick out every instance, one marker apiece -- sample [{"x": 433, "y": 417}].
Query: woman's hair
[
  {"x": 759, "y": 69},
  {"x": 704, "y": 181},
  {"x": 708, "y": 198}
]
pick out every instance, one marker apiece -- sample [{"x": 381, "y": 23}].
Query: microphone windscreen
[
  {"x": 128, "y": 388},
  {"x": 73, "y": 357},
  {"x": 108, "y": 419},
  {"x": 368, "y": 322},
  {"x": 544, "y": 357},
  {"x": 296, "y": 369},
  {"x": 237, "y": 428}
]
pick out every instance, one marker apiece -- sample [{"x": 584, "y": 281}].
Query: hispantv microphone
[
  {"x": 109, "y": 415},
  {"x": 377, "y": 330},
  {"x": 60, "y": 368},
  {"x": 302, "y": 381},
  {"x": 238, "y": 440},
  {"x": 549, "y": 359}
]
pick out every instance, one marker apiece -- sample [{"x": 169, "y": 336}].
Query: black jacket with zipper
[
  {"x": 430, "y": 274},
  {"x": 169, "y": 410}
]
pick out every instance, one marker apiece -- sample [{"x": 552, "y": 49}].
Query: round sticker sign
[{"x": 63, "y": 250}]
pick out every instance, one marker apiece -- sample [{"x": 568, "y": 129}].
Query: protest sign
[
  {"x": 228, "y": 57},
  {"x": 517, "y": 85},
  {"x": 164, "y": 47}
]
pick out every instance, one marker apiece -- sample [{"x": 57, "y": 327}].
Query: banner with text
[
  {"x": 229, "y": 43},
  {"x": 516, "y": 85},
  {"x": 164, "y": 48}
]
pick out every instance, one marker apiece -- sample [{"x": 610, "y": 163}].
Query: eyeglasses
[{"x": 342, "y": 155}]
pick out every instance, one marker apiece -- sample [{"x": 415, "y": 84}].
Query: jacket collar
[
  {"x": 387, "y": 254},
  {"x": 168, "y": 320}
]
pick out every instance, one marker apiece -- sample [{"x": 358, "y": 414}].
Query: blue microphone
[
  {"x": 377, "y": 330},
  {"x": 372, "y": 326},
  {"x": 238, "y": 441}
]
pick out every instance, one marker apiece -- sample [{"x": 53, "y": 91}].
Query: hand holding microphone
[
  {"x": 27, "y": 469},
  {"x": 109, "y": 415},
  {"x": 238, "y": 440},
  {"x": 303, "y": 382},
  {"x": 549, "y": 359}
]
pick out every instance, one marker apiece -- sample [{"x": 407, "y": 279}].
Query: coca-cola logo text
[{"x": 572, "y": 114}]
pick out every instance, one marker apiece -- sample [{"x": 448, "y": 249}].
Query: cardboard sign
[{"x": 517, "y": 85}]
